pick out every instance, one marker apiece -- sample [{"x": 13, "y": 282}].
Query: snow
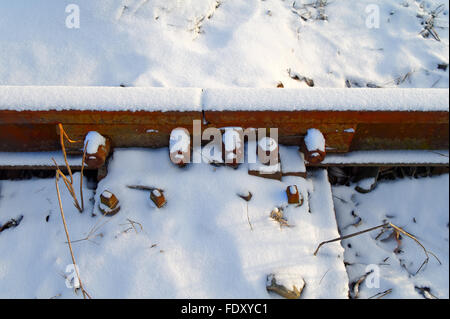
[
  {"x": 293, "y": 189},
  {"x": 199, "y": 245},
  {"x": 36, "y": 159},
  {"x": 254, "y": 162},
  {"x": 420, "y": 207},
  {"x": 252, "y": 43},
  {"x": 21, "y": 98},
  {"x": 292, "y": 160},
  {"x": 389, "y": 156},
  {"x": 367, "y": 183},
  {"x": 107, "y": 194},
  {"x": 314, "y": 140},
  {"x": 93, "y": 140},
  {"x": 326, "y": 99},
  {"x": 156, "y": 193}
]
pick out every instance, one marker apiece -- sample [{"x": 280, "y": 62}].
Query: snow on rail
[
  {"x": 407, "y": 157},
  {"x": 32, "y": 159},
  {"x": 22, "y": 98},
  {"x": 329, "y": 99}
]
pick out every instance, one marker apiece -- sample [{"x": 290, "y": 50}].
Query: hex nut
[{"x": 157, "y": 198}]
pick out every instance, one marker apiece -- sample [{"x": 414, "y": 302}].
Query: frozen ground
[
  {"x": 418, "y": 206},
  {"x": 202, "y": 244},
  {"x": 223, "y": 43}
]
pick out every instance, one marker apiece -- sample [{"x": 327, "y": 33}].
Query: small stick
[
  {"x": 382, "y": 294},
  {"x": 348, "y": 236},
  {"x": 248, "y": 219},
  {"x": 145, "y": 188},
  {"x": 396, "y": 230}
]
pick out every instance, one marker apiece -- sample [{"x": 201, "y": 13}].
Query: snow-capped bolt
[
  {"x": 97, "y": 149},
  {"x": 109, "y": 204},
  {"x": 232, "y": 146},
  {"x": 267, "y": 151},
  {"x": 292, "y": 194},
  {"x": 314, "y": 146},
  {"x": 180, "y": 146},
  {"x": 158, "y": 198}
]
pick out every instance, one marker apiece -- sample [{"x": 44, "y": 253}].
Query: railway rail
[{"x": 382, "y": 124}]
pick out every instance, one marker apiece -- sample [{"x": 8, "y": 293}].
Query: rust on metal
[
  {"x": 293, "y": 194},
  {"x": 98, "y": 159},
  {"x": 157, "y": 198},
  {"x": 343, "y": 130}
]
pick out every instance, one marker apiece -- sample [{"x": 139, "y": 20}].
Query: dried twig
[
  {"x": 418, "y": 242},
  {"x": 397, "y": 230},
  {"x": 277, "y": 215},
  {"x": 348, "y": 236},
  {"x": 248, "y": 219},
  {"x": 93, "y": 230},
  {"x": 145, "y": 188}
]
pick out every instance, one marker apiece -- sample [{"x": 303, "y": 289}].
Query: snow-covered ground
[
  {"x": 418, "y": 206},
  {"x": 223, "y": 43},
  {"x": 207, "y": 242},
  {"x": 204, "y": 243}
]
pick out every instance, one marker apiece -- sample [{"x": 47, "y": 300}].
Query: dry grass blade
[
  {"x": 133, "y": 223},
  {"x": 63, "y": 134},
  {"x": 69, "y": 186},
  {"x": 82, "y": 170},
  {"x": 358, "y": 283},
  {"x": 93, "y": 230},
  {"x": 85, "y": 293},
  {"x": 381, "y": 294},
  {"x": 398, "y": 229}
]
